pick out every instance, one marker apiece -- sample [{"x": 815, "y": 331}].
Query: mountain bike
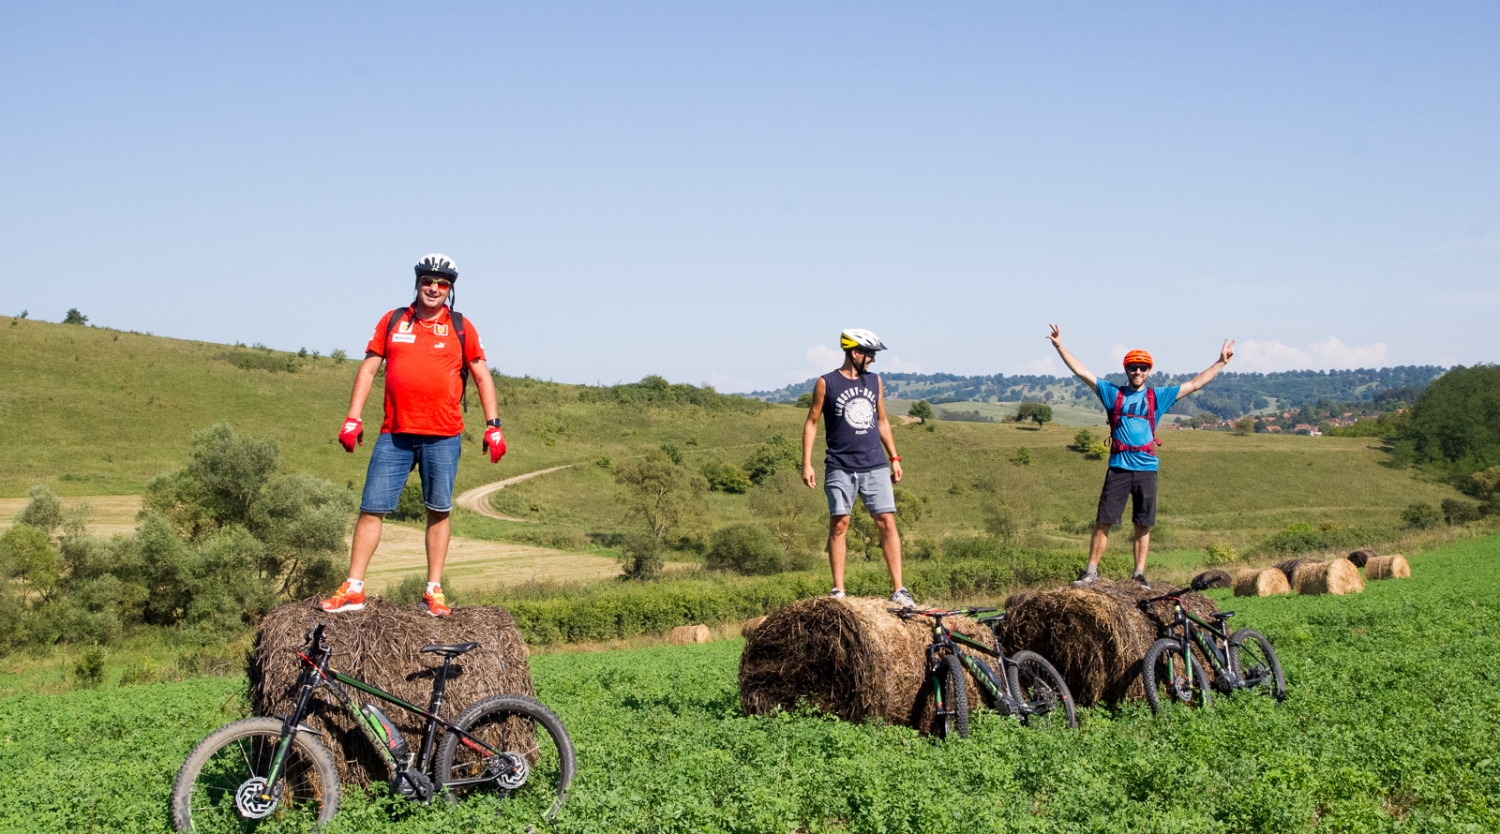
[
  {"x": 1241, "y": 659},
  {"x": 264, "y": 768},
  {"x": 1026, "y": 685}
]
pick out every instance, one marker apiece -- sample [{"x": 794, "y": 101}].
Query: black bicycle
[
  {"x": 266, "y": 768},
  {"x": 1026, "y": 686},
  {"x": 1241, "y": 659}
]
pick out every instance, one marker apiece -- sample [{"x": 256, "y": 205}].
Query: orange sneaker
[
  {"x": 344, "y": 600},
  {"x": 434, "y": 603}
]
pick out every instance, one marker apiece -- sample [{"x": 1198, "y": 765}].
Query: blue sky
[{"x": 711, "y": 191}]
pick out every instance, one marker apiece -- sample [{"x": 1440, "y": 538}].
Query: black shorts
[{"x": 1120, "y": 484}]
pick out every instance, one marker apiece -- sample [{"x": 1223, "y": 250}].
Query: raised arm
[
  {"x": 1226, "y": 353},
  {"x": 810, "y": 433},
  {"x": 1078, "y": 368}
]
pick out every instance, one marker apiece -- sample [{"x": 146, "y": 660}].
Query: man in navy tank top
[
  {"x": 851, "y": 402},
  {"x": 1133, "y": 412}
]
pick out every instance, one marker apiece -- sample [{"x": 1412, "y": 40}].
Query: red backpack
[{"x": 1116, "y": 415}]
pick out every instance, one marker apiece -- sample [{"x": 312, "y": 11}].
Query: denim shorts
[
  {"x": 873, "y": 487},
  {"x": 392, "y": 461}
]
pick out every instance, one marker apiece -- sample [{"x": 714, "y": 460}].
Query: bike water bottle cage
[{"x": 1116, "y": 414}]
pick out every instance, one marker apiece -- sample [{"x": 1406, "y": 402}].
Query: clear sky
[{"x": 711, "y": 191}]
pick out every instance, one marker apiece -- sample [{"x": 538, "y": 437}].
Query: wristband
[{"x": 895, "y": 458}]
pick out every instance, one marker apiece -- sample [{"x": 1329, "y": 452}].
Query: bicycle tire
[
  {"x": 956, "y": 722},
  {"x": 1249, "y": 641},
  {"x": 208, "y": 784},
  {"x": 1035, "y": 682},
  {"x": 503, "y": 722},
  {"x": 1162, "y": 671}
]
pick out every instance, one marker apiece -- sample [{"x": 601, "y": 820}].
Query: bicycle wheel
[
  {"x": 535, "y": 761},
  {"x": 956, "y": 693},
  {"x": 1251, "y": 657},
  {"x": 220, "y": 786},
  {"x": 1041, "y": 690},
  {"x": 1165, "y": 672}
]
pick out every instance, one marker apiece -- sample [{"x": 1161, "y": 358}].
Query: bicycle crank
[{"x": 253, "y": 800}]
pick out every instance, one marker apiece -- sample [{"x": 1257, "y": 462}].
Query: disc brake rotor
[
  {"x": 251, "y": 799},
  {"x": 509, "y": 770}
]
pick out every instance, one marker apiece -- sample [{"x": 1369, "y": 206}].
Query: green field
[{"x": 1388, "y": 727}]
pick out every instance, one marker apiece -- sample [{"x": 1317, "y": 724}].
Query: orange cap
[{"x": 1138, "y": 357}]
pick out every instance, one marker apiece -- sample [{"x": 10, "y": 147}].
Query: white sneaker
[
  {"x": 836, "y": 593},
  {"x": 903, "y": 597}
]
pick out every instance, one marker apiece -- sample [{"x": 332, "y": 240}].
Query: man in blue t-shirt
[{"x": 1133, "y": 414}]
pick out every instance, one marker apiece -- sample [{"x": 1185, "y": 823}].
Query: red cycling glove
[
  {"x": 352, "y": 433},
  {"x": 494, "y": 443}
]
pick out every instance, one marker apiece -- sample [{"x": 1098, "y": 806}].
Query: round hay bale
[
  {"x": 751, "y": 625},
  {"x": 1212, "y": 578},
  {"x": 850, "y": 657},
  {"x": 1338, "y": 576},
  {"x": 688, "y": 634},
  {"x": 379, "y": 645},
  {"x": 1261, "y": 583},
  {"x": 1388, "y": 567},
  {"x": 1361, "y": 557},
  {"x": 1288, "y": 567},
  {"x": 1096, "y": 637},
  {"x": 1016, "y": 599}
]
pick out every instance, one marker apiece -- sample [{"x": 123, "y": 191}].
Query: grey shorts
[{"x": 873, "y": 487}]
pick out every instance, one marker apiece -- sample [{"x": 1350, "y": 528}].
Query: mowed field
[{"x": 1388, "y": 727}]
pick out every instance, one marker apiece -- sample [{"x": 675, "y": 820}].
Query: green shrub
[
  {"x": 750, "y": 549},
  {"x": 1083, "y": 441},
  {"x": 770, "y": 457},
  {"x": 1304, "y": 538},
  {"x": 1221, "y": 553},
  {"x": 409, "y": 506},
  {"x": 1459, "y": 511},
  {"x": 43, "y": 511},
  {"x": 1098, "y": 450},
  {"x": 1421, "y": 516},
  {"x": 723, "y": 477},
  {"x": 88, "y": 672},
  {"x": 641, "y": 558}
]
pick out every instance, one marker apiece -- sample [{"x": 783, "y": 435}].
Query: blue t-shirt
[{"x": 1132, "y": 431}]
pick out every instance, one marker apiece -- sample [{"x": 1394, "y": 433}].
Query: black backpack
[{"x": 458, "y": 328}]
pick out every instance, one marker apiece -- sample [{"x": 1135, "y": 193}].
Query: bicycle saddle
[
  {"x": 1222, "y": 615},
  {"x": 450, "y": 651}
]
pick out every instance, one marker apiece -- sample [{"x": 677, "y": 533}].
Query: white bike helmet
[
  {"x": 857, "y": 337},
  {"x": 440, "y": 265}
]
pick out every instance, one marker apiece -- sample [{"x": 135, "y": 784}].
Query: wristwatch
[{"x": 495, "y": 422}]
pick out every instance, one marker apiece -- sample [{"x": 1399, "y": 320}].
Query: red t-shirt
[{"x": 422, "y": 362}]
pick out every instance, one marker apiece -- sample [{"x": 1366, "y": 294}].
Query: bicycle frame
[{"x": 318, "y": 674}]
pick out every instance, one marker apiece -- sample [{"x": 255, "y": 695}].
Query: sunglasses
[
  {"x": 428, "y": 280},
  {"x": 1137, "y": 368}
]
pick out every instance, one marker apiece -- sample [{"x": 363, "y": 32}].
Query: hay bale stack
[
  {"x": 689, "y": 634},
  {"x": 1362, "y": 557},
  {"x": 1213, "y": 579},
  {"x": 1338, "y": 576},
  {"x": 751, "y": 625},
  {"x": 850, "y": 657},
  {"x": 1288, "y": 567},
  {"x": 1096, "y": 637},
  {"x": 1388, "y": 567},
  {"x": 379, "y": 645},
  {"x": 1261, "y": 583}
]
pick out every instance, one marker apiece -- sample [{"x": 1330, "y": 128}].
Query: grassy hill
[
  {"x": 1388, "y": 726},
  {"x": 93, "y": 411}
]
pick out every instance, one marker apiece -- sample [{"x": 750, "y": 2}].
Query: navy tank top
[{"x": 852, "y": 422}]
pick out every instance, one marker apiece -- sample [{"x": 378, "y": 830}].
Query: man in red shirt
[{"x": 428, "y": 350}]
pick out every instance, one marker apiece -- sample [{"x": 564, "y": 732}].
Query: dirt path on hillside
[{"x": 477, "y": 500}]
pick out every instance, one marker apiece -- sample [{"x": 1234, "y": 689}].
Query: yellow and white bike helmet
[{"x": 858, "y": 337}]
